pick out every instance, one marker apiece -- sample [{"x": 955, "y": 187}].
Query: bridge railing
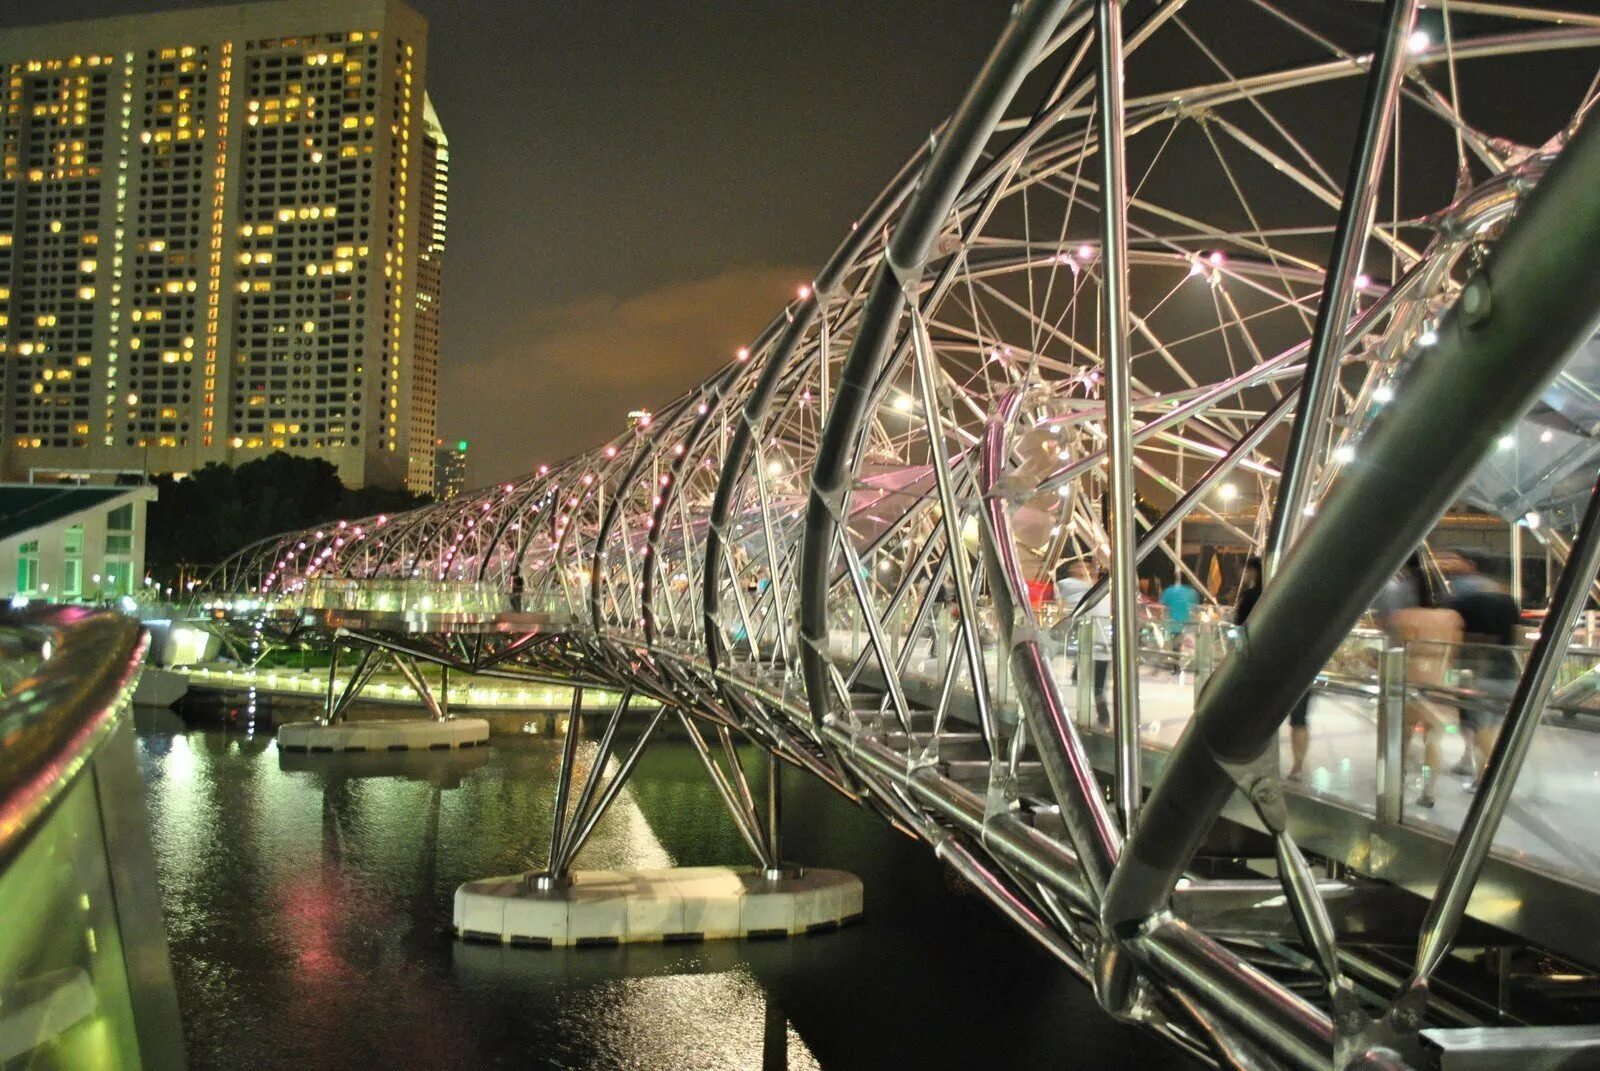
[
  {"x": 404, "y": 596},
  {"x": 84, "y": 975}
]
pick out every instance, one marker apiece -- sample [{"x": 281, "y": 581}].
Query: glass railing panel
[
  {"x": 64, "y": 996},
  {"x": 1549, "y": 821}
]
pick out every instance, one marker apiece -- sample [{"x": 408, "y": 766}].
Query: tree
[{"x": 216, "y": 510}]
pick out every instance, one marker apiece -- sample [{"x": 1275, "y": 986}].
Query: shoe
[
  {"x": 1294, "y": 775},
  {"x": 1472, "y": 786},
  {"x": 1462, "y": 769},
  {"x": 1425, "y": 801}
]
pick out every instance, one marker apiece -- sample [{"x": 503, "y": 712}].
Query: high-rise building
[
  {"x": 449, "y": 468},
  {"x": 220, "y": 235},
  {"x": 434, "y": 200}
]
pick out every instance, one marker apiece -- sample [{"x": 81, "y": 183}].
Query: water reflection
[{"x": 308, "y": 901}]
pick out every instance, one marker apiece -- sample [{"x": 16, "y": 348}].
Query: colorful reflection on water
[{"x": 308, "y": 910}]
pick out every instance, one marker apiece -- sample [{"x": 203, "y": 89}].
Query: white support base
[
  {"x": 607, "y": 907},
  {"x": 412, "y": 734}
]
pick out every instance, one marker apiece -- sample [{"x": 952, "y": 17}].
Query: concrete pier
[
  {"x": 607, "y": 907},
  {"x": 391, "y": 734}
]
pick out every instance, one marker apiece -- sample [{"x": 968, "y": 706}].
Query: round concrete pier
[
  {"x": 699, "y": 903},
  {"x": 411, "y": 734}
]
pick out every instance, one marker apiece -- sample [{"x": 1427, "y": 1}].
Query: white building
[
  {"x": 66, "y": 543},
  {"x": 220, "y": 232}
]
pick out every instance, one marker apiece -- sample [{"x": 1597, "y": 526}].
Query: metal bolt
[{"x": 1476, "y": 301}]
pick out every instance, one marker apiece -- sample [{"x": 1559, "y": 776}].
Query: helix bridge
[{"x": 1301, "y": 276}]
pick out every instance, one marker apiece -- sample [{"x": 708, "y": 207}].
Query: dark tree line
[{"x": 206, "y": 516}]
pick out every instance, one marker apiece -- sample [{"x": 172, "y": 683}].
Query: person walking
[
  {"x": 1299, "y": 720},
  {"x": 1489, "y": 619},
  {"x": 1409, "y": 615},
  {"x": 1180, "y": 601}
]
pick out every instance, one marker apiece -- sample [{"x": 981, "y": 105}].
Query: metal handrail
[{"x": 53, "y": 719}]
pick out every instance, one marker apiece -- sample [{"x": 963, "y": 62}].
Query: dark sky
[{"x": 639, "y": 185}]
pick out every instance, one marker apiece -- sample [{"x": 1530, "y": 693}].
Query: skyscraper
[
  {"x": 221, "y": 234},
  {"x": 449, "y": 469}
]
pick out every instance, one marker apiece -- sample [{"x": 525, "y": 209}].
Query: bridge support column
[{"x": 560, "y": 906}]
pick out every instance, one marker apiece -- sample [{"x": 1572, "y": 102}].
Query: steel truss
[{"x": 826, "y": 548}]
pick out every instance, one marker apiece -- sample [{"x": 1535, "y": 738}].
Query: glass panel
[
  {"x": 63, "y": 984},
  {"x": 1549, "y": 821},
  {"x": 119, "y": 543},
  {"x": 72, "y": 540},
  {"x": 121, "y": 518},
  {"x": 72, "y": 578}
]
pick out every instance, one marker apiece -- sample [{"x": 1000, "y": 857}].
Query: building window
[
  {"x": 72, "y": 563},
  {"x": 119, "y": 578},
  {"x": 28, "y": 567}
]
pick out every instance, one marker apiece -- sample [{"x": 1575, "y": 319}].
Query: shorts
[{"x": 1297, "y": 716}]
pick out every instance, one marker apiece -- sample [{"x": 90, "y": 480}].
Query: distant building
[
  {"x": 449, "y": 468},
  {"x": 220, "y": 235},
  {"x": 67, "y": 543}
]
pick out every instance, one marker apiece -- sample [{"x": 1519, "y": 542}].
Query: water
[{"x": 308, "y": 912}]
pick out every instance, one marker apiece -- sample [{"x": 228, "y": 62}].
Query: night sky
[{"x": 638, "y": 186}]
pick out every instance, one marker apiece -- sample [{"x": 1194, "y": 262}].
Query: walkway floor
[{"x": 1552, "y": 823}]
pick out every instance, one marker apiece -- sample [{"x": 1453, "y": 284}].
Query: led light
[
  {"x": 1383, "y": 393},
  {"x": 1506, "y": 441},
  {"x": 1419, "y": 41},
  {"x": 1227, "y": 492},
  {"x": 1546, "y": 435},
  {"x": 1428, "y": 337},
  {"x": 902, "y": 402},
  {"x": 1532, "y": 520},
  {"x": 1345, "y": 454}
]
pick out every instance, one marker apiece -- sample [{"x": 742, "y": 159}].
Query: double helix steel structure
[{"x": 1306, "y": 274}]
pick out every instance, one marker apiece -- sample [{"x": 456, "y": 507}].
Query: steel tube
[
  {"x": 948, "y": 167},
  {"x": 1518, "y": 319},
  {"x": 950, "y": 520},
  {"x": 582, "y": 828},
  {"x": 775, "y": 808},
  {"x": 1043, "y": 858},
  {"x": 1073, "y": 782},
  {"x": 1119, "y": 394},
  {"x": 569, "y": 749},
  {"x": 602, "y": 754},
  {"x": 741, "y": 820},
  {"x": 333, "y": 670},
  {"x": 1356, "y": 213}
]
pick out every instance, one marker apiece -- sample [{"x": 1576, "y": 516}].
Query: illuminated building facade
[
  {"x": 220, "y": 235},
  {"x": 449, "y": 468}
]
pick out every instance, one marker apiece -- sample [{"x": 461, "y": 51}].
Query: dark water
[{"x": 308, "y": 912}]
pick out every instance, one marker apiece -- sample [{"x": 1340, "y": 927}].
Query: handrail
[{"x": 52, "y": 720}]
